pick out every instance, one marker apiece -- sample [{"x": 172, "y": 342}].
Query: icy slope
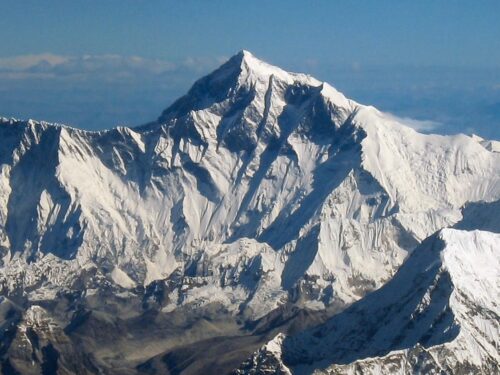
[
  {"x": 438, "y": 314},
  {"x": 256, "y": 188}
]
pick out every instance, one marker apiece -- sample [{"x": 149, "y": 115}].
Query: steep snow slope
[
  {"x": 256, "y": 188},
  {"x": 438, "y": 314},
  {"x": 490, "y": 145}
]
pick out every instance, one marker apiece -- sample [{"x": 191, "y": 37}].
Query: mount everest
[{"x": 263, "y": 213}]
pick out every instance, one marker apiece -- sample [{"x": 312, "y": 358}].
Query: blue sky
[{"x": 95, "y": 64}]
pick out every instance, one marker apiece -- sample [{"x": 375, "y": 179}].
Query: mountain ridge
[
  {"x": 256, "y": 191},
  {"x": 439, "y": 312}
]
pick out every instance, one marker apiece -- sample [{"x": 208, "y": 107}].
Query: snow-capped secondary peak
[{"x": 438, "y": 313}]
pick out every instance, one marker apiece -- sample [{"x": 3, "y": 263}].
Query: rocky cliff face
[{"x": 258, "y": 193}]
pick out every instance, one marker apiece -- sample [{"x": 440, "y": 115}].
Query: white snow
[
  {"x": 469, "y": 259},
  {"x": 122, "y": 279},
  {"x": 250, "y": 192}
]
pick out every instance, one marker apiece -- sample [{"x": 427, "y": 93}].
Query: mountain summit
[{"x": 261, "y": 201}]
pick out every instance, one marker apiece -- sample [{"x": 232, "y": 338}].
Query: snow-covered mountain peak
[
  {"x": 254, "y": 70},
  {"x": 261, "y": 70},
  {"x": 246, "y": 80},
  {"x": 261, "y": 154},
  {"x": 256, "y": 192}
]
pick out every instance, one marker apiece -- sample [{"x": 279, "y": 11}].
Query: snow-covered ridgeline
[{"x": 439, "y": 313}]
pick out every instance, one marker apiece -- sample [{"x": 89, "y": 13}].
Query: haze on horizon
[{"x": 122, "y": 62}]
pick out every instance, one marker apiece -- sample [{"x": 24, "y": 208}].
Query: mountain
[
  {"x": 260, "y": 202},
  {"x": 439, "y": 314}
]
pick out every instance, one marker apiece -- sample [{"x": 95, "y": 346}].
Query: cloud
[
  {"x": 95, "y": 91},
  {"x": 419, "y": 125},
  {"x": 107, "y": 67}
]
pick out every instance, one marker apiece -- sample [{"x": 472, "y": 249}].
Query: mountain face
[
  {"x": 438, "y": 314},
  {"x": 260, "y": 202}
]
